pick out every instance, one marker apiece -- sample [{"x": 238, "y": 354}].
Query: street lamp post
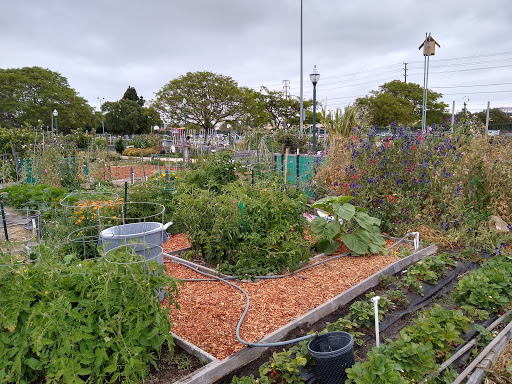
[
  {"x": 94, "y": 117},
  {"x": 185, "y": 113},
  {"x": 183, "y": 139},
  {"x": 314, "y": 76},
  {"x": 102, "y": 122},
  {"x": 55, "y": 114}
]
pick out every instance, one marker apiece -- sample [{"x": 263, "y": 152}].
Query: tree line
[{"x": 203, "y": 99}]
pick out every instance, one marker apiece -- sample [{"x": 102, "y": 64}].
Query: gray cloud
[{"x": 102, "y": 47}]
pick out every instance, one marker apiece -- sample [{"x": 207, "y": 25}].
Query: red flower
[{"x": 413, "y": 147}]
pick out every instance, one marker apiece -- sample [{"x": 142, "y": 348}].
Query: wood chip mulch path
[
  {"x": 175, "y": 242},
  {"x": 210, "y": 311}
]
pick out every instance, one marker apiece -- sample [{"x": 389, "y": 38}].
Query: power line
[
  {"x": 471, "y": 69},
  {"x": 469, "y": 57},
  {"x": 488, "y": 55},
  {"x": 476, "y": 93},
  {"x": 471, "y": 86},
  {"x": 466, "y": 64}
]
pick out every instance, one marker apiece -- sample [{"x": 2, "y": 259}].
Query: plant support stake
[
  {"x": 125, "y": 200},
  {"x": 241, "y": 206},
  {"x": 4, "y": 221},
  {"x": 375, "y": 301}
]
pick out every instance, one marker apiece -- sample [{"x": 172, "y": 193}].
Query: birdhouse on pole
[{"x": 429, "y": 46}]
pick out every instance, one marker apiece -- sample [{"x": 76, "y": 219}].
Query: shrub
[
  {"x": 81, "y": 322},
  {"x": 37, "y": 197},
  {"x": 120, "y": 146},
  {"x": 245, "y": 230},
  {"x": 212, "y": 172},
  {"x": 138, "y": 151}
]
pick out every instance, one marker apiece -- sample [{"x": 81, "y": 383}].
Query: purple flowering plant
[{"x": 412, "y": 180}]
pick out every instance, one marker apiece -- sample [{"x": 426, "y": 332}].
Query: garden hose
[{"x": 225, "y": 280}]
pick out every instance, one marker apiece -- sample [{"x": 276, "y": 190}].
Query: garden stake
[
  {"x": 241, "y": 206},
  {"x": 286, "y": 164},
  {"x": 375, "y": 301},
  {"x": 125, "y": 198},
  {"x": 4, "y": 221}
]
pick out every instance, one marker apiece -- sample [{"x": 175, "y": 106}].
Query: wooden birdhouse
[{"x": 429, "y": 46}]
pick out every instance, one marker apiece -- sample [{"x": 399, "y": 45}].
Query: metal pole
[
  {"x": 426, "y": 86},
  {"x": 4, "y": 221},
  {"x": 56, "y": 126},
  {"x": 314, "y": 119},
  {"x": 453, "y": 114},
  {"x": 301, "y": 79},
  {"x": 424, "y": 82},
  {"x": 94, "y": 115},
  {"x": 487, "y": 119},
  {"x": 125, "y": 201}
]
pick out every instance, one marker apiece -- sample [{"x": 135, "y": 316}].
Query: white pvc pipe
[{"x": 375, "y": 301}]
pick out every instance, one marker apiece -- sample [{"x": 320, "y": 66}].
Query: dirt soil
[
  {"x": 122, "y": 172},
  {"x": 172, "y": 368},
  {"x": 210, "y": 311}
]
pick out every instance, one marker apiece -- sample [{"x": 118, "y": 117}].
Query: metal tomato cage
[
  {"x": 20, "y": 237},
  {"x": 81, "y": 210}
]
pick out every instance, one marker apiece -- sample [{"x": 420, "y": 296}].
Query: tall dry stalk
[{"x": 339, "y": 123}]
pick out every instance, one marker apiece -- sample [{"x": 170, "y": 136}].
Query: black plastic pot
[{"x": 333, "y": 353}]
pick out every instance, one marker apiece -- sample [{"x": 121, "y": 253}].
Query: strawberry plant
[
  {"x": 441, "y": 327},
  {"x": 398, "y": 298},
  {"x": 415, "y": 360},
  {"x": 377, "y": 370},
  {"x": 487, "y": 288},
  {"x": 428, "y": 270},
  {"x": 282, "y": 368},
  {"x": 363, "y": 313},
  {"x": 359, "y": 231}
]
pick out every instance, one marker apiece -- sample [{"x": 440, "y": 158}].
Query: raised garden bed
[{"x": 211, "y": 310}]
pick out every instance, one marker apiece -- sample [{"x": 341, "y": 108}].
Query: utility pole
[
  {"x": 405, "y": 73},
  {"x": 301, "y": 119},
  {"x": 286, "y": 87}
]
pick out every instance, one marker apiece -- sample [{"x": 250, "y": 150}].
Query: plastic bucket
[
  {"x": 333, "y": 353},
  {"x": 151, "y": 233}
]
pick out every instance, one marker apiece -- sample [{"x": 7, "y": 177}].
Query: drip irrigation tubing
[{"x": 242, "y": 318}]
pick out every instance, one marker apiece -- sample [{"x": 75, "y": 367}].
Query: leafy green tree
[
  {"x": 29, "y": 95},
  {"x": 283, "y": 112},
  {"x": 128, "y": 116},
  {"x": 131, "y": 94},
  {"x": 401, "y": 103},
  {"x": 123, "y": 117},
  {"x": 497, "y": 119},
  {"x": 256, "y": 114},
  {"x": 211, "y": 99}
]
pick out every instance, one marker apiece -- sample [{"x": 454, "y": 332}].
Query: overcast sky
[{"x": 102, "y": 47}]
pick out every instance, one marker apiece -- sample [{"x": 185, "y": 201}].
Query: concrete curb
[{"x": 218, "y": 369}]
